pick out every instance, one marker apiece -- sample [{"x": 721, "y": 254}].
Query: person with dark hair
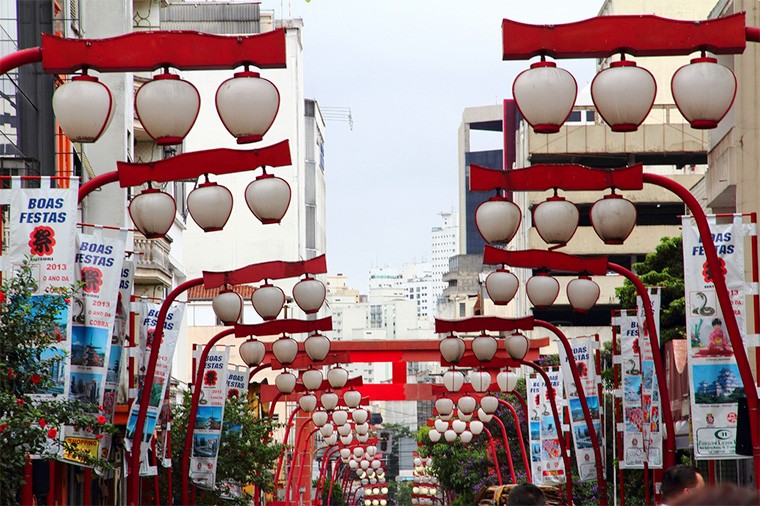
[
  {"x": 725, "y": 494},
  {"x": 679, "y": 481},
  {"x": 526, "y": 494}
]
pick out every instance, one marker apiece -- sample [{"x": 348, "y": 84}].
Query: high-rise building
[{"x": 445, "y": 244}]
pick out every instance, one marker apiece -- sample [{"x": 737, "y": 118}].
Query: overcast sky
[{"x": 406, "y": 69}]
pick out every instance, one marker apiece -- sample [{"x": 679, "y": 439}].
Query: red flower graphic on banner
[
  {"x": 706, "y": 270},
  {"x": 233, "y": 392},
  {"x": 210, "y": 378},
  {"x": 41, "y": 241},
  {"x": 582, "y": 369},
  {"x": 92, "y": 278},
  {"x": 635, "y": 346}
]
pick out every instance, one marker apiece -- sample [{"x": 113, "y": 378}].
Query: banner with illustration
[
  {"x": 147, "y": 319},
  {"x": 583, "y": 351},
  {"x": 641, "y": 425},
  {"x": 98, "y": 268},
  {"x": 716, "y": 383},
  {"x": 207, "y": 432},
  {"x": 547, "y": 466},
  {"x": 42, "y": 225}
]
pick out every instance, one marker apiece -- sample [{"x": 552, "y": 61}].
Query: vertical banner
[
  {"x": 642, "y": 430},
  {"x": 583, "y": 351},
  {"x": 42, "y": 224},
  {"x": 148, "y": 318},
  {"x": 207, "y": 432},
  {"x": 98, "y": 262},
  {"x": 716, "y": 383},
  {"x": 547, "y": 466}
]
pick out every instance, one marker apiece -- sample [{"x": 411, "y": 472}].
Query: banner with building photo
[
  {"x": 237, "y": 386},
  {"x": 207, "y": 432},
  {"x": 583, "y": 351},
  {"x": 42, "y": 225},
  {"x": 98, "y": 268},
  {"x": 547, "y": 466},
  {"x": 716, "y": 383},
  {"x": 642, "y": 429},
  {"x": 147, "y": 319}
]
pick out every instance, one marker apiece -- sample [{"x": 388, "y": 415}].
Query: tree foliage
[{"x": 664, "y": 268}]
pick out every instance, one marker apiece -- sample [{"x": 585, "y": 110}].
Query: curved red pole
[
  {"x": 520, "y": 440},
  {"x": 19, "y": 58},
  {"x": 335, "y": 472},
  {"x": 284, "y": 443},
  {"x": 734, "y": 333},
  {"x": 133, "y": 483},
  {"x": 188, "y": 449},
  {"x": 602, "y": 485},
  {"x": 323, "y": 468},
  {"x": 295, "y": 455},
  {"x": 273, "y": 404},
  {"x": 301, "y": 466},
  {"x": 669, "y": 459},
  {"x": 494, "y": 456},
  {"x": 507, "y": 448},
  {"x": 551, "y": 394},
  {"x": 97, "y": 182}
]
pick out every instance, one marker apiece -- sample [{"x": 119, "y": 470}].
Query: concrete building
[
  {"x": 445, "y": 244},
  {"x": 418, "y": 284}
]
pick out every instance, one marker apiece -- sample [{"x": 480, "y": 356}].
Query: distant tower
[{"x": 445, "y": 239}]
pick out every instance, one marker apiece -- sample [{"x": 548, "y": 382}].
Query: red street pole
[
  {"x": 520, "y": 440},
  {"x": 734, "y": 333},
  {"x": 300, "y": 467},
  {"x": 284, "y": 443},
  {"x": 584, "y": 407},
  {"x": 335, "y": 472},
  {"x": 19, "y": 58},
  {"x": 494, "y": 456},
  {"x": 507, "y": 448},
  {"x": 188, "y": 448}
]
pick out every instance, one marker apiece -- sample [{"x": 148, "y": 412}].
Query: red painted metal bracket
[
  {"x": 481, "y": 323},
  {"x": 303, "y": 361},
  {"x": 543, "y": 259},
  {"x": 500, "y": 360},
  {"x": 150, "y": 50},
  {"x": 276, "y": 327},
  {"x": 196, "y": 163},
  {"x": 569, "y": 177},
  {"x": 267, "y": 270},
  {"x": 638, "y": 35}
]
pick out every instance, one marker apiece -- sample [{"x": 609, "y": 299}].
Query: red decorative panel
[
  {"x": 552, "y": 260},
  {"x": 266, "y": 270},
  {"x": 569, "y": 177}
]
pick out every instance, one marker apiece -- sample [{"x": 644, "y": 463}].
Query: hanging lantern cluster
[
  {"x": 624, "y": 93},
  {"x": 484, "y": 346},
  {"x": 425, "y": 489},
  {"x": 543, "y": 289},
  {"x": 167, "y": 107}
]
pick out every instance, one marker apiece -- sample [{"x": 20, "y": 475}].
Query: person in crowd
[
  {"x": 526, "y": 494},
  {"x": 679, "y": 481},
  {"x": 725, "y": 494}
]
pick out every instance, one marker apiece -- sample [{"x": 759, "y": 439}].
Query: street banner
[
  {"x": 237, "y": 381},
  {"x": 98, "y": 268},
  {"x": 148, "y": 318},
  {"x": 42, "y": 223},
  {"x": 547, "y": 466},
  {"x": 641, "y": 427},
  {"x": 207, "y": 432},
  {"x": 583, "y": 351},
  {"x": 716, "y": 384}
]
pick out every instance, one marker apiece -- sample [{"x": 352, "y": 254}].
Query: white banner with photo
[
  {"x": 547, "y": 466},
  {"x": 583, "y": 351},
  {"x": 716, "y": 382},
  {"x": 207, "y": 432}
]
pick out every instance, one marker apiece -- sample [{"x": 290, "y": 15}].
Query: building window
[{"x": 462, "y": 310}]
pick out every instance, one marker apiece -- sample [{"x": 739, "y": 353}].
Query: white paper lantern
[
  {"x": 452, "y": 349},
  {"x": 361, "y": 428},
  {"x": 484, "y": 347},
  {"x": 517, "y": 346},
  {"x": 467, "y": 404},
  {"x": 285, "y": 350},
  {"x": 459, "y": 426},
  {"x": 329, "y": 400},
  {"x": 465, "y": 436},
  {"x": 582, "y": 293},
  {"x": 167, "y": 107},
  {"x": 507, "y": 381},
  {"x": 210, "y": 206},
  {"x": 268, "y": 198},
  {"x": 545, "y": 95},
  {"x": 345, "y": 453},
  {"x": 480, "y": 380},
  {"x": 483, "y": 416},
  {"x": 285, "y": 382},
  {"x": 360, "y": 416},
  {"x": 308, "y": 402},
  {"x": 501, "y": 286},
  {"x": 362, "y": 438},
  {"x": 440, "y": 425},
  {"x": 556, "y": 220},
  {"x": 444, "y": 406},
  {"x": 319, "y": 418},
  {"x": 542, "y": 290},
  {"x": 497, "y": 220},
  {"x": 453, "y": 380},
  {"x": 347, "y": 438},
  {"x": 489, "y": 404},
  {"x": 613, "y": 218},
  {"x": 332, "y": 439},
  {"x": 152, "y": 212},
  {"x": 340, "y": 417},
  {"x": 352, "y": 398},
  {"x": 247, "y": 105},
  {"x": 227, "y": 306},
  {"x": 703, "y": 91},
  {"x": 338, "y": 377},
  {"x": 83, "y": 108},
  {"x": 252, "y": 352},
  {"x": 371, "y": 450},
  {"x": 317, "y": 347},
  {"x": 476, "y": 427},
  {"x": 309, "y": 294},
  {"x": 345, "y": 429},
  {"x": 465, "y": 417},
  {"x": 268, "y": 301},
  {"x": 311, "y": 379},
  {"x": 623, "y": 94}
]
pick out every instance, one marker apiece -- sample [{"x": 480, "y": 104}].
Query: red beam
[
  {"x": 276, "y": 327},
  {"x": 370, "y": 391},
  {"x": 543, "y": 259},
  {"x": 197, "y": 163},
  {"x": 266, "y": 270},
  {"x": 303, "y": 361},
  {"x": 481, "y": 323},
  {"x": 147, "y": 51},
  {"x": 569, "y": 177},
  {"x": 638, "y": 35}
]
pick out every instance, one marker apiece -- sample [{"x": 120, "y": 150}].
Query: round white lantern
[
  {"x": 332, "y": 439},
  {"x": 285, "y": 350},
  {"x": 465, "y": 417},
  {"x": 497, "y": 220},
  {"x": 344, "y": 429},
  {"x": 375, "y": 464},
  {"x": 329, "y": 400},
  {"x": 542, "y": 290},
  {"x": 285, "y": 382},
  {"x": 582, "y": 292},
  {"x": 327, "y": 430},
  {"x": 450, "y": 436},
  {"x": 346, "y": 439},
  {"x": 309, "y": 294},
  {"x": 352, "y": 398},
  {"x": 703, "y": 91},
  {"x": 483, "y": 416},
  {"x": 465, "y": 436},
  {"x": 545, "y": 95},
  {"x": 345, "y": 453},
  {"x": 152, "y": 212},
  {"x": 268, "y": 301},
  {"x": 83, "y": 108},
  {"x": 319, "y": 418},
  {"x": 501, "y": 286},
  {"x": 489, "y": 404},
  {"x": 338, "y": 377},
  {"x": 364, "y": 464},
  {"x": 167, "y": 107},
  {"x": 507, "y": 381},
  {"x": 556, "y": 220},
  {"x": 340, "y": 417},
  {"x": 440, "y": 425},
  {"x": 480, "y": 380},
  {"x": 452, "y": 349},
  {"x": 308, "y": 402},
  {"x": 476, "y": 427},
  {"x": 252, "y": 352},
  {"x": 268, "y": 198},
  {"x": 467, "y": 404},
  {"x": 228, "y": 306},
  {"x": 317, "y": 347},
  {"x": 484, "y": 347},
  {"x": 358, "y": 452},
  {"x": 444, "y": 406},
  {"x": 453, "y": 380},
  {"x": 247, "y": 105},
  {"x": 613, "y": 218},
  {"x": 459, "y": 426},
  {"x": 360, "y": 416},
  {"x": 311, "y": 379},
  {"x": 362, "y": 438},
  {"x": 517, "y": 345},
  {"x": 210, "y": 206},
  {"x": 361, "y": 428},
  {"x": 623, "y": 94},
  {"x": 371, "y": 450}
]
